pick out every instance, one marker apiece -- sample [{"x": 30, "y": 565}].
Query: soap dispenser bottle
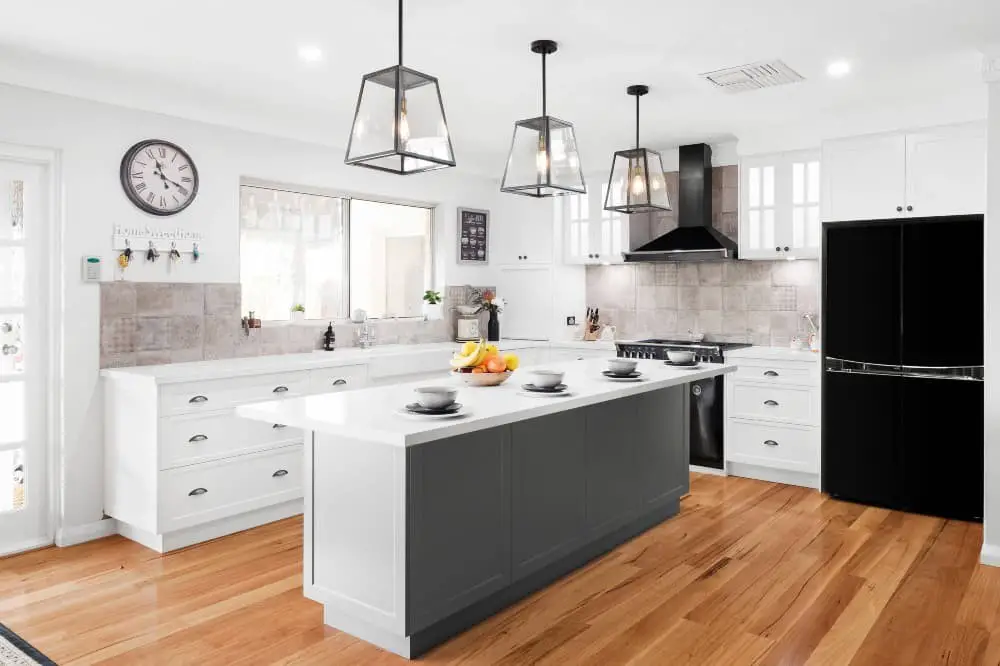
[{"x": 329, "y": 338}]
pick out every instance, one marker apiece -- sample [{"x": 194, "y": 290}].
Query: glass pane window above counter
[
  {"x": 331, "y": 254},
  {"x": 780, "y": 206}
]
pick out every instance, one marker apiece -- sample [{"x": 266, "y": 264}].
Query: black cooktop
[{"x": 704, "y": 343}]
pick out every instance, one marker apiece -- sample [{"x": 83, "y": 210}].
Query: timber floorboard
[{"x": 748, "y": 573}]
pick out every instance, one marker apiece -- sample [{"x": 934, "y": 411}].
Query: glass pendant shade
[
  {"x": 543, "y": 160},
  {"x": 636, "y": 184},
  {"x": 399, "y": 123}
]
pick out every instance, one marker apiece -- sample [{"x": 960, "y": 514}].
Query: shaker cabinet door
[
  {"x": 946, "y": 171},
  {"x": 864, "y": 178}
]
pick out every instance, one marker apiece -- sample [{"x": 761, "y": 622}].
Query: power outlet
[{"x": 571, "y": 321}]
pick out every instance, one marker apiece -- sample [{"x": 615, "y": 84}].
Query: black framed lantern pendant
[
  {"x": 399, "y": 123},
  {"x": 636, "y": 184},
  {"x": 543, "y": 160}
]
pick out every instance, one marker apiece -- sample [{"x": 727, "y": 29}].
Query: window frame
[{"x": 348, "y": 196}]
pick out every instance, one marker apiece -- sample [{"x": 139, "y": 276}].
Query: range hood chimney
[{"x": 694, "y": 239}]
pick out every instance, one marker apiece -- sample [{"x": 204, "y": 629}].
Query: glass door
[{"x": 24, "y": 511}]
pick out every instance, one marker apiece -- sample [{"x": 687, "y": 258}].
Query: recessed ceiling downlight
[
  {"x": 838, "y": 68},
  {"x": 310, "y": 53}
]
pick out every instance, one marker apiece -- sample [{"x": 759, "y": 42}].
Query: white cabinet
[
  {"x": 522, "y": 232},
  {"x": 527, "y": 291},
  {"x": 939, "y": 171},
  {"x": 591, "y": 235},
  {"x": 772, "y": 408},
  {"x": 780, "y": 199}
]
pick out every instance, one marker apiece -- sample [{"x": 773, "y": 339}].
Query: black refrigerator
[{"x": 902, "y": 334}]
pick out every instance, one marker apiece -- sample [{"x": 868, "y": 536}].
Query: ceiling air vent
[{"x": 753, "y": 76}]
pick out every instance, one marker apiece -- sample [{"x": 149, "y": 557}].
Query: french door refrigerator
[{"x": 903, "y": 364}]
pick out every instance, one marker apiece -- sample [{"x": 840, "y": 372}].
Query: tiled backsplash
[
  {"x": 147, "y": 323},
  {"x": 746, "y": 301}
]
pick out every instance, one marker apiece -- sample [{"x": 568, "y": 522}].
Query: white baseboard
[
  {"x": 71, "y": 536},
  {"x": 25, "y": 546},
  {"x": 990, "y": 555},
  {"x": 707, "y": 470},
  {"x": 760, "y": 473}
]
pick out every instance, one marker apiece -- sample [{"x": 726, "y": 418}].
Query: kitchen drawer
[
  {"x": 776, "y": 446},
  {"x": 196, "y": 438},
  {"x": 220, "y": 394},
  {"x": 411, "y": 364},
  {"x": 780, "y": 403},
  {"x": 329, "y": 380},
  {"x": 780, "y": 372},
  {"x": 210, "y": 491}
]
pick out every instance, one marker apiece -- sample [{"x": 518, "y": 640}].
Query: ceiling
[{"x": 194, "y": 54}]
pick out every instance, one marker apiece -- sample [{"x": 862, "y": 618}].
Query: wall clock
[{"x": 159, "y": 177}]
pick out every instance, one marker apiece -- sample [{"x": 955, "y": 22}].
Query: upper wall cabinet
[
  {"x": 591, "y": 235},
  {"x": 521, "y": 233},
  {"x": 939, "y": 171},
  {"x": 780, "y": 206}
]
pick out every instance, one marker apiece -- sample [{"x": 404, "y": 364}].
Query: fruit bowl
[{"x": 483, "y": 378}]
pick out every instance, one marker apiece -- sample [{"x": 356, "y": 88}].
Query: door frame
[{"x": 50, "y": 160}]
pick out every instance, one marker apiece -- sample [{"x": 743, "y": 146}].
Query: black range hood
[{"x": 694, "y": 239}]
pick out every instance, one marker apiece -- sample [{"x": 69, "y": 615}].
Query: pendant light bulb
[
  {"x": 638, "y": 182},
  {"x": 404, "y": 124},
  {"x": 541, "y": 159}
]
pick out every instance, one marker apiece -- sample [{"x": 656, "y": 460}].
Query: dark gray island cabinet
[{"x": 406, "y": 546}]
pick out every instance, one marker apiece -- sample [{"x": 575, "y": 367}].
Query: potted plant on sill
[
  {"x": 298, "y": 313},
  {"x": 432, "y": 304}
]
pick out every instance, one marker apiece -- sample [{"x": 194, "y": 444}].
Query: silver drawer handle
[
  {"x": 197, "y": 491},
  {"x": 771, "y": 403},
  {"x": 198, "y": 398},
  {"x": 198, "y": 438},
  {"x": 770, "y": 373},
  {"x": 280, "y": 472},
  {"x": 280, "y": 389},
  {"x": 278, "y": 426},
  {"x": 770, "y": 442},
  {"x": 339, "y": 382}
]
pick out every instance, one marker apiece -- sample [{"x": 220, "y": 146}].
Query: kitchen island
[{"x": 417, "y": 529}]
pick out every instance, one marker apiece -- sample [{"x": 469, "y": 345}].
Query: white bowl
[
  {"x": 484, "y": 378},
  {"x": 466, "y": 309},
  {"x": 546, "y": 378},
  {"x": 680, "y": 356},
  {"x": 435, "y": 397},
  {"x": 622, "y": 366}
]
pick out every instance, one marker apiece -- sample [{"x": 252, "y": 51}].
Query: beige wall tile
[
  {"x": 709, "y": 273},
  {"x": 117, "y": 298},
  {"x": 153, "y": 298},
  {"x": 735, "y": 323},
  {"x": 734, "y": 299},
  {"x": 152, "y": 334},
  {"x": 759, "y": 322},
  {"x": 710, "y": 321},
  {"x": 152, "y": 357},
  {"x": 189, "y": 299},
  {"x": 687, "y": 298},
  {"x": 687, "y": 274},
  {"x": 187, "y": 332},
  {"x": 118, "y": 335},
  {"x": 656, "y": 298},
  {"x": 710, "y": 298},
  {"x": 223, "y": 300}
]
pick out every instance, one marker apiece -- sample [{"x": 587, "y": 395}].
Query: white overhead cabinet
[
  {"x": 939, "y": 171},
  {"x": 780, "y": 206},
  {"x": 517, "y": 238},
  {"x": 592, "y": 235},
  {"x": 527, "y": 291}
]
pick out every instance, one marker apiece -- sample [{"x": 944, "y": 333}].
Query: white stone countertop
[
  {"x": 774, "y": 354},
  {"x": 374, "y": 414},
  {"x": 342, "y": 356}
]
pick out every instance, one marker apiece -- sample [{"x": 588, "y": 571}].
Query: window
[
  {"x": 780, "y": 204},
  {"x": 331, "y": 254}
]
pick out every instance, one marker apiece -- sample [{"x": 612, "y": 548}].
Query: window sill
[{"x": 273, "y": 323}]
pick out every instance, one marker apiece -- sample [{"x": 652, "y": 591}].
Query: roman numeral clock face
[{"x": 159, "y": 177}]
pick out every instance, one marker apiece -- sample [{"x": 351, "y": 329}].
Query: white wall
[
  {"x": 991, "y": 538},
  {"x": 92, "y": 138}
]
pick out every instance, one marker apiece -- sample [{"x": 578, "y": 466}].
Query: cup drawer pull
[
  {"x": 771, "y": 403},
  {"x": 770, "y": 442},
  {"x": 339, "y": 382},
  {"x": 770, "y": 373},
  {"x": 198, "y": 398},
  {"x": 278, "y": 426},
  {"x": 280, "y": 472},
  {"x": 280, "y": 389},
  {"x": 198, "y": 438},
  {"x": 197, "y": 491}
]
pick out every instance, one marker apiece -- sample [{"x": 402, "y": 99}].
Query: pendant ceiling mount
[
  {"x": 543, "y": 159},
  {"x": 636, "y": 184},
  {"x": 399, "y": 122}
]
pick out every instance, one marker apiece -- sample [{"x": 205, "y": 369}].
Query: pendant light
[
  {"x": 399, "y": 124},
  {"x": 636, "y": 184},
  {"x": 543, "y": 160}
]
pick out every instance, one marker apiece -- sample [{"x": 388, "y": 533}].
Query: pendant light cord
[
  {"x": 637, "y": 122},
  {"x": 544, "y": 112},
  {"x": 400, "y": 33}
]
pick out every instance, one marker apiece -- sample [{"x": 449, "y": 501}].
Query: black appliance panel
[
  {"x": 861, "y": 289},
  {"x": 942, "y": 277}
]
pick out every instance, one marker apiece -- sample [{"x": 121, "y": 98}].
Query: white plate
[
  {"x": 541, "y": 394},
  {"x": 402, "y": 411},
  {"x": 625, "y": 379}
]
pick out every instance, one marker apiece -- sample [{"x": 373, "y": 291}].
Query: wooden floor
[{"x": 749, "y": 573}]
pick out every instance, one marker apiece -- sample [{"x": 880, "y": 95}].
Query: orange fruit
[
  {"x": 479, "y": 369},
  {"x": 496, "y": 364}
]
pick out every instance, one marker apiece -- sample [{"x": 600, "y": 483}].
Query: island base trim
[
  {"x": 785, "y": 476},
  {"x": 422, "y": 641}
]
